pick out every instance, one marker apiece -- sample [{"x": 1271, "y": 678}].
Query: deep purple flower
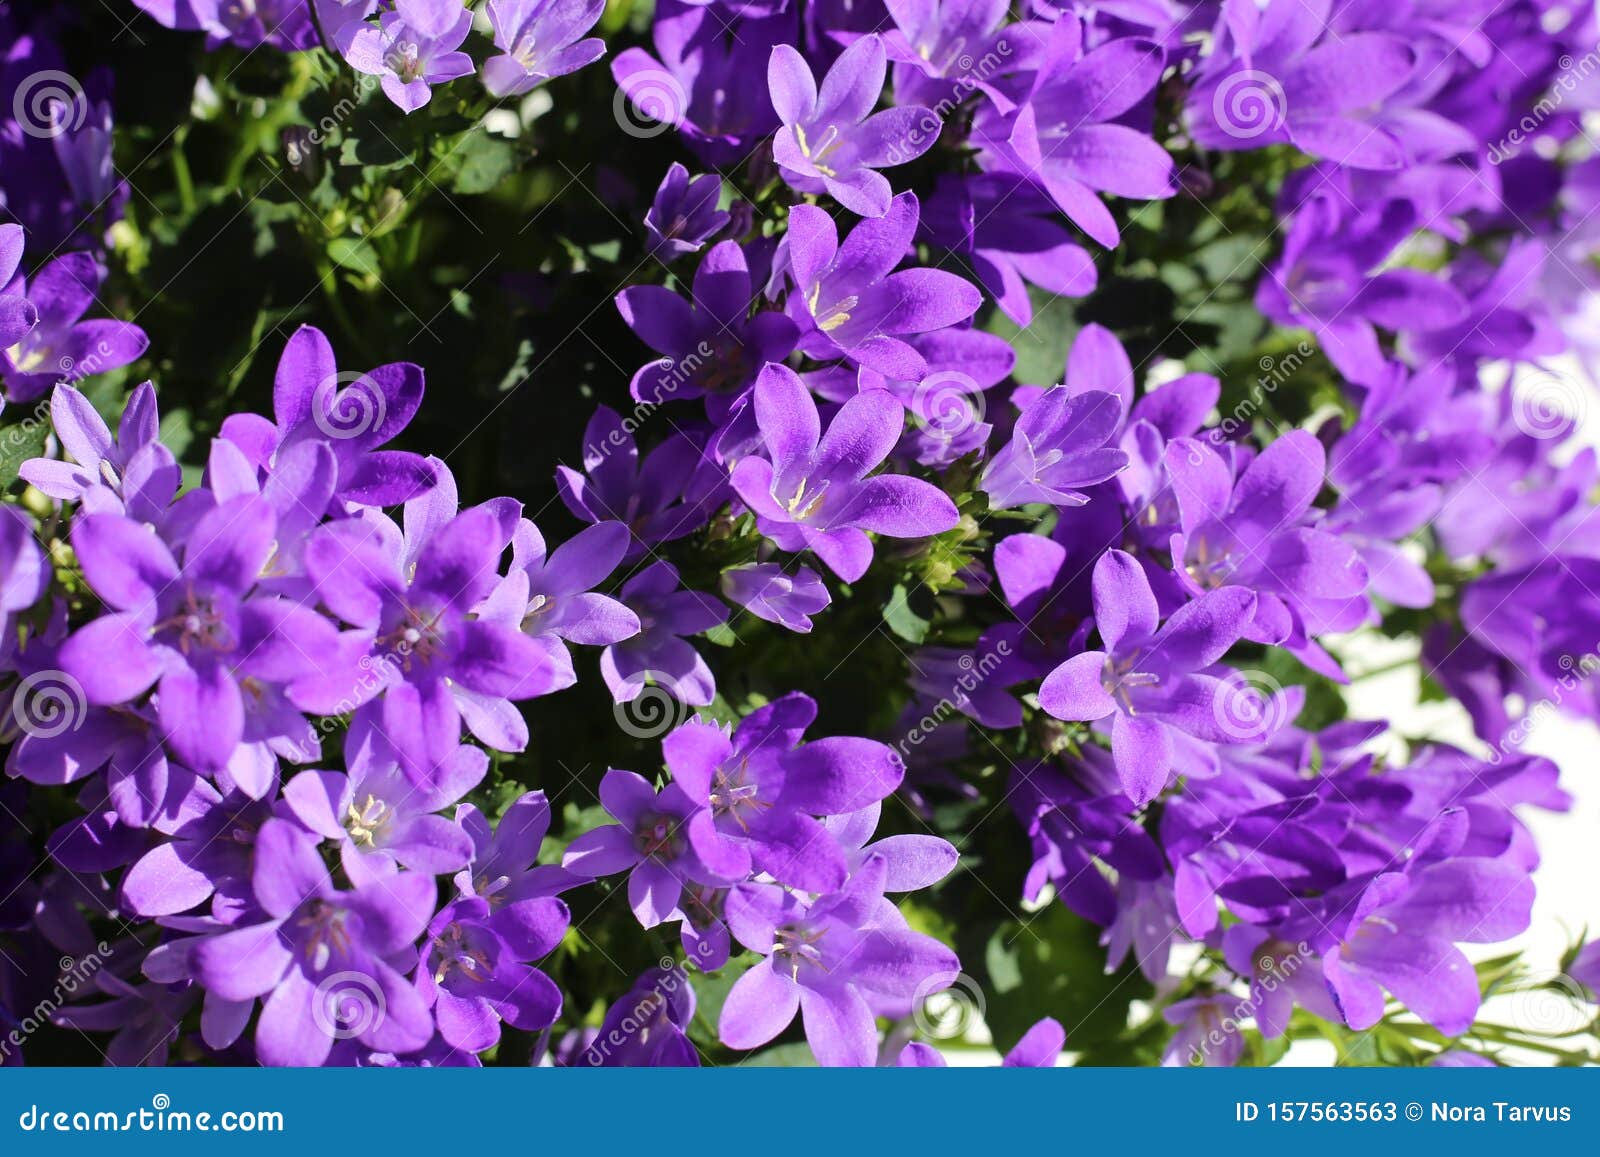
[
  {"x": 831, "y": 140},
  {"x": 474, "y": 972},
  {"x": 684, "y": 215},
  {"x": 645, "y": 1028},
  {"x": 196, "y": 628},
  {"x": 813, "y": 491},
  {"x": 284, "y": 24},
  {"x": 666, "y": 497},
  {"x": 538, "y": 41},
  {"x": 660, "y": 652},
  {"x": 708, "y": 78},
  {"x": 1010, "y": 234},
  {"x": 711, "y": 346}
]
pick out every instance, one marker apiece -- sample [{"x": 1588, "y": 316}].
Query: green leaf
[
  {"x": 482, "y": 162},
  {"x": 1052, "y": 964},
  {"x": 790, "y": 1056},
  {"x": 902, "y": 620},
  {"x": 354, "y": 253},
  {"x": 19, "y": 442}
]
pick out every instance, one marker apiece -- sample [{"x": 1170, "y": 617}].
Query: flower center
[{"x": 368, "y": 821}]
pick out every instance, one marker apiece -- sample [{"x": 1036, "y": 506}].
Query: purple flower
[
  {"x": 474, "y": 970},
  {"x": 831, "y": 140},
  {"x": 827, "y": 959},
  {"x": 851, "y": 302},
  {"x": 1208, "y": 1035},
  {"x": 421, "y": 648},
  {"x": 320, "y": 958},
  {"x": 17, "y": 314},
  {"x": 505, "y": 869},
  {"x": 380, "y": 812},
  {"x": 61, "y": 347},
  {"x": 1060, "y": 446},
  {"x": 413, "y": 46},
  {"x": 1039, "y": 1048},
  {"x": 649, "y": 841},
  {"x": 1069, "y": 136},
  {"x": 709, "y": 82},
  {"x": 1151, "y": 678},
  {"x": 711, "y": 346},
  {"x": 645, "y": 1028},
  {"x": 1285, "y": 83},
  {"x": 549, "y": 597},
  {"x": 684, "y": 215},
  {"x": 284, "y": 24},
  {"x": 945, "y": 49},
  {"x": 666, "y": 497},
  {"x": 761, "y": 789},
  {"x": 538, "y": 41},
  {"x": 1401, "y": 936},
  {"x": 1255, "y": 533},
  {"x": 1010, "y": 235},
  {"x": 812, "y": 491},
  {"x": 1325, "y": 281},
  {"x": 353, "y": 414},
  {"x": 768, "y": 592},
  {"x": 660, "y": 652},
  {"x": 132, "y": 473},
  {"x": 198, "y": 629}
]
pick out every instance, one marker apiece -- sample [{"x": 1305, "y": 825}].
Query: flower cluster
[
  {"x": 407, "y": 46},
  {"x": 292, "y": 676}
]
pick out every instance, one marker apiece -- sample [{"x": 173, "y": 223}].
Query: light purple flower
[
  {"x": 770, "y": 593},
  {"x": 538, "y": 41},
  {"x": 831, "y": 140},
  {"x": 413, "y": 47},
  {"x": 813, "y": 492}
]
